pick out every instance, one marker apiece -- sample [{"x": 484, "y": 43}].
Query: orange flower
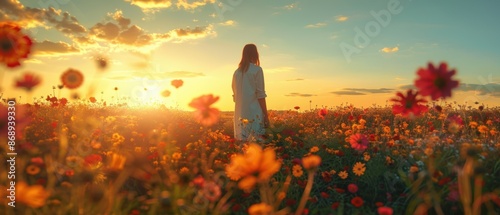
[
  {"x": 255, "y": 164},
  {"x": 14, "y": 45},
  {"x": 28, "y": 82},
  {"x": 205, "y": 114},
  {"x": 177, "y": 83},
  {"x": 32, "y": 169},
  {"x": 311, "y": 162},
  {"x": 72, "y": 78},
  {"x": 260, "y": 209},
  {"x": 33, "y": 196}
]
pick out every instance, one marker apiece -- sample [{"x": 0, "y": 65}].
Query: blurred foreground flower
[
  {"x": 14, "y": 45},
  {"x": 28, "y": 81},
  {"x": 72, "y": 78},
  {"x": 177, "y": 83},
  {"x": 408, "y": 105},
  {"x": 33, "y": 196},
  {"x": 260, "y": 209},
  {"x": 311, "y": 162},
  {"x": 256, "y": 165},
  {"x": 436, "y": 81},
  {"x": 205, "y": 114},
  {"x": 322, "y": 112}
]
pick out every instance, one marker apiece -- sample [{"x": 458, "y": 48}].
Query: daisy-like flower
[
  {"x": 357, "y": 201},
  {"x": 297, "y": 170},
  {"x": 359, "y": 169},
  {"x": 28, "y": 81},
  {"x": 205, "y": 114},
  {"x": 358, "y": 142},
  {"x": 256, "y": 165},
  {"x": 436, "y": 81},
  {"x": 408, "y": 105},
  {"x": 177, "y": 83},
  {"x": 72, "y": 78},
  {"x": 32, "y": 169},
  {"x": 14, "y": 45},
  {"x": 343, "y": 174}
]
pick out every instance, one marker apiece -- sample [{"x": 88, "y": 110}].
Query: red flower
[
  {"x": 357, "y": 201},
  {"x": 353, "y": 188},
  {"x": 409, "y": 104},
  {"x": 358, "y": 142},
  {"x": 205, "y": 114},
  {"x": 335, "y": 205},
  {"x": 177, "y": 83},
  {"x": 28, "y": 82},
  {"x": 384, "y": 211},
  {"x": 92, "y": 160},
  {"x": 72, "y": 78},
  {"x": 14, "y": 45},
  {"x": 436, "y": 82},
  {"x": 322, "y": 112},
  {"x": 296, "y": 107},
  {"x": 92, "y": 99}
]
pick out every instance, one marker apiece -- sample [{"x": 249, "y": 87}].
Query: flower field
[
  {"x": 91, "y": 159},
  {"x": 76, "y": 156}
]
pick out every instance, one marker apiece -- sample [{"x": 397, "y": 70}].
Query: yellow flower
[
  {"x": 254, "y": 162},
  {"x": 359, "y": 169},
  {"x": 311, "y": 162},
  {"x": 314, "y": 149},
  {"x": 297, "y": 170},
  {"x": 366, "y": 156},
  {"x": 343, "y": 174},
  {"x": 33, "y": 196},
  {"x": 260, "y": 209}
]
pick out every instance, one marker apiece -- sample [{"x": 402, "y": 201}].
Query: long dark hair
[{"x": 250, "y": 55}]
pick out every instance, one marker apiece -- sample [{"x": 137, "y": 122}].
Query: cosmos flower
[
  {"x": 358, "y": 142},
  {"x": 14, "y": 45},
  {"x": 177, "y": 83},
  {"x": 255, "y": 165},
  {"x": 436, "y": 81},
  {"x": 28, "y": 81},
  {"x": 72, "y": 78},
  {"x": 205, "y": 114},
  {"x": 408, "y": 105}
]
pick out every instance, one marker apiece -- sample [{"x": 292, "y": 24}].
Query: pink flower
[
  {"x": 358, "y": 142},
  {"x": 436, "y": 82},
  {"x": 205, "y": 114},
  {"x": 353, "y": 188},
  {"x": 409, "y": 104}
]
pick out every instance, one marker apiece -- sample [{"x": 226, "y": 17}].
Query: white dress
[{"x": 248, "y": 87}]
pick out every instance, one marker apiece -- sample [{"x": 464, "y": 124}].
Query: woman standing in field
[{"x": 249, "y": 96}]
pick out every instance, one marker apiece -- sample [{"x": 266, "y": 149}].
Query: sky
[{"x": 313, "y": 53}]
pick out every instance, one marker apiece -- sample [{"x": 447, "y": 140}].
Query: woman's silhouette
[{"x": 249, "y": 95}]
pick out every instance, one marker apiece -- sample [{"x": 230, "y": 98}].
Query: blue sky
[{"x": 151, "y": 42}]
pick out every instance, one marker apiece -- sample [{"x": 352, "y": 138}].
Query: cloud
[
  {"x": 280, "y": 69},
  {"x": 297, "y": 79},
  {"x": 341, "y": 18},
  {"x": 362, "y": 91},
  {"x": 53, "y": 48},
  {"x": 190, "y": 6},
  {"x": 389, "y": 49},
  {"x": 292, "y": 6},
  {"x": 148, "y": 5},
  {"x": 317, "y": 25},
  {"x": 489, "y": 89},
  {"x": 300, "y": 95},
  {"x": 228, "y": 23}
]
